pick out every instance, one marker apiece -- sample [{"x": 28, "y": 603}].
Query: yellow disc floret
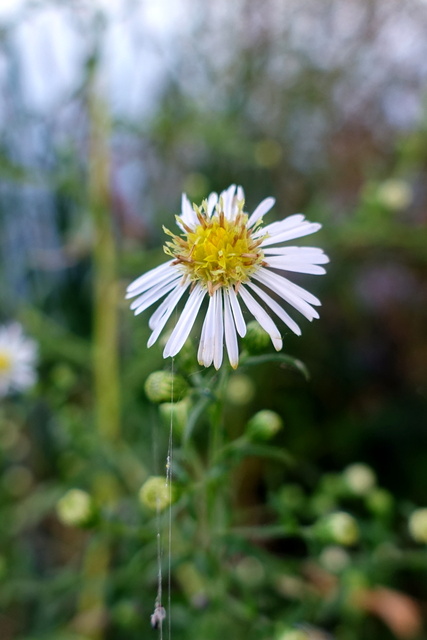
[
  {"x": 5, "y": 362},
  {"x": 218, "y": 252}
]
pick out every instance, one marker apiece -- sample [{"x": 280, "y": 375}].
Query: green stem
[
  {"x": 91, "y": 609},
  {"x": 216, "y": 498},
  {"x": 105, "y": 289},
  {"x": 217, "y": 419}
]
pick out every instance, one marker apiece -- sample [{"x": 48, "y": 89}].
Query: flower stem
[{"x": 216, "y": 497}]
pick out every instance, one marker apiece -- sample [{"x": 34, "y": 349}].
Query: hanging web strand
[
  {"x": 169, "y": 461},
  {"x": 159, "y": 612}
]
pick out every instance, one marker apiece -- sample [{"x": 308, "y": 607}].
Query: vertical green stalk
[
  {"x": 91, "y": 612},
  {"x": 105, "y": 317},
  {"x": 217, "y": 485}
]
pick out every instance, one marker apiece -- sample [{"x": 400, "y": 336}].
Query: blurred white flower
[
  {"x": 229, "y": 256},
  {"x": 18, "y": 356}
]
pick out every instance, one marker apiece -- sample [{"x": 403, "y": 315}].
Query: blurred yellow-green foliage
[{"x": 109, "y": 111}]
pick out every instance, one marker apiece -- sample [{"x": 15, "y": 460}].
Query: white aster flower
[
  {"x": 18, "y": 355},
  {"x": 229, "y": 256}
]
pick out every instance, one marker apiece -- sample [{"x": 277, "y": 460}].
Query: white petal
[
  {"x": 261, "y": 210},
  {"x": 206, "y": 345},
  {"x": 227, "y": 197},
  {"x": 285, "y": 264},
  {"x": 237, "y": 313},
  {"x": 274, "y": 306},
  {"x": 147, "y": 279},
  {"x": 218, "y": 330},
  {"x": 303, "y": 229},
  {"x": 185, "y": 323},
  {"x": 166, "y": 310},
  {"x": 230, "y": 333},
  {"x": 170, "y": 299},
  {"x": 188, "y": 214},
  {"x": 276, "y": 280},
  {"x": 262, "y": 317},
  {"x": 240, "y": 195},
  {"x": 162, "y": 279},
  {"x": 281, "y": 225},
  {"x": 152, "y": 295},
  {"x": 280, "y": 285},
  {"x": 306, "y": 254},
  {"x": 212, "y": 200}
]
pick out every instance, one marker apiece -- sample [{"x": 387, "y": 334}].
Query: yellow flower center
[
  {"x": 217, "y": 252},
  {"x": 5, "y": 362}
]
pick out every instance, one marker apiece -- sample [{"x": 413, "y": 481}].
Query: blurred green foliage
[{"x": 298, "y": 535}]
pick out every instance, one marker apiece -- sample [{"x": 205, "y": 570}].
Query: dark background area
[{"x": 107, "y": 115}]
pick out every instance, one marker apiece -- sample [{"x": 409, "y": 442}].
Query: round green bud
[
  {"x": 164, "y": 386},
  {"x": 240, "y": 389},
  {"x": 75, "y": 508},
  {"x": 177, "y": 412},
  {"x": 292, "y": 497},
  {"x": 359, "y": 478},
  {"x": 192, "y": 584},
  {"x": 335, "y": 559},
  {"x": 417, "y": 525},
  {"x": 339, "y": 527},
  {"x": 264, "y": 425},
  {"x": 379, "y": 501},
  {"x": 395, "y": 194},
  {"x": 292, "y": 634},
  {"x": 322, "y": 503},
  {"x": 186, "y": 358},
  {"x": 332, "y": 485},
  {"x": 157, "y": 493},
  {"x": 250, "y": 571},
  {"x": 256, "y": 340},
  {"x": 63, "y": 377}
]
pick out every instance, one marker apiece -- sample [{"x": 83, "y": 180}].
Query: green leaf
[
  {"x": 195, "y": 414},
  {"x": 243, "y": 449},
  {"x": 281, "y": 358}
]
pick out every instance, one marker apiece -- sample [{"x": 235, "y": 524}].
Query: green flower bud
[
  {"x": 192, "y": 584},
  {"x": 292, "y": 634},
  {"x": 332, "y": 485},
  {"x": 335, "y": 559},
  {"x": 395, "y": 194},
  {"x": 256, "y": 339},
  {"x": 359, "y": 478},
  {"x": 379, "y": 501},
  {"x": 63, "y": 377},
  {"x": 339, "y": 527},
  {"x": 240, "y": 389},
  {"x": 417, "y": 525},
  {"x": 264, "y": 425},
  {"x": 177, "y": 412},
  {"x": 292, "y": 497},
  {"x": 156, "y": 493},
  {"x": 164, "y": 386},
  {"x": 250, "y": 571},
  {"x": 75, "y": 508},
  {"x": 186, "y": 358},
  {"x": 322, "y": 503}
]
